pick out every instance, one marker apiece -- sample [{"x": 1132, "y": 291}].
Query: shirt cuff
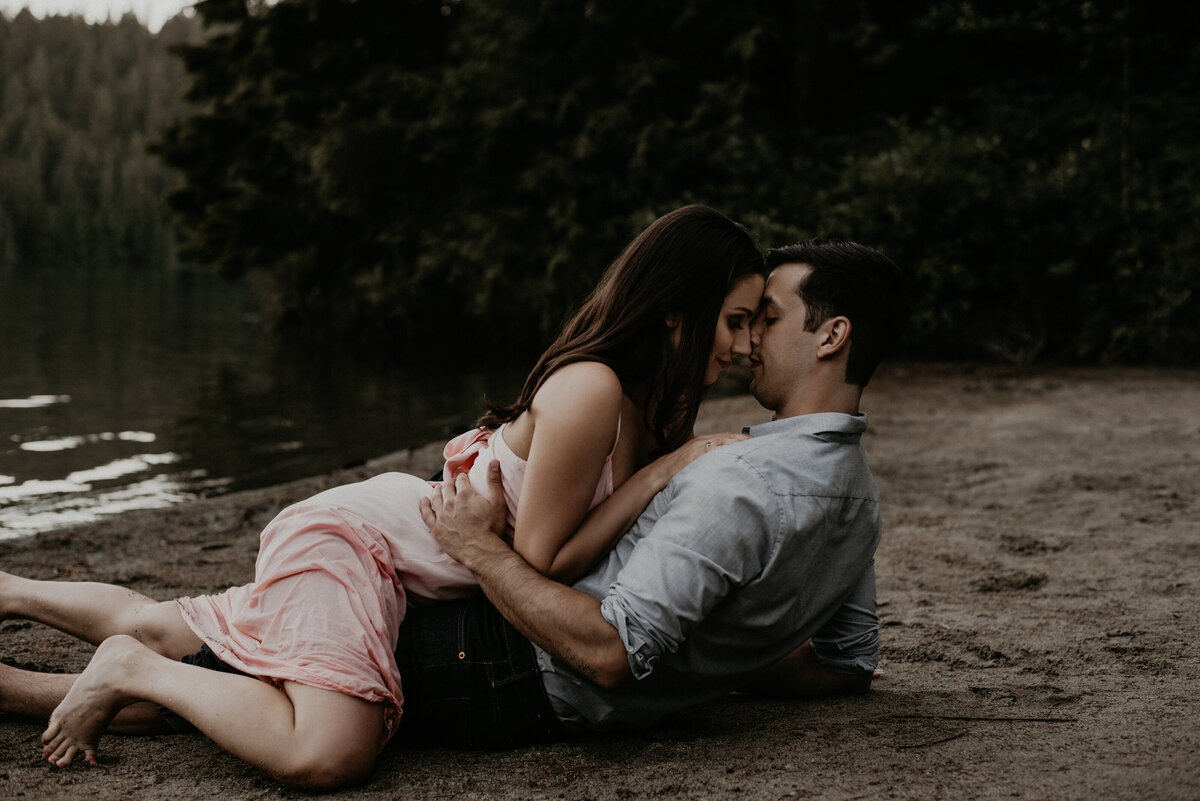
[
  {"x": 851, "y": 651},
  {"x": 640, "y": 649}
]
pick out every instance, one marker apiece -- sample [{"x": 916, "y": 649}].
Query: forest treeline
[
  {"x": 423, "y": 172},
  {"x": 79, "y": 103}
]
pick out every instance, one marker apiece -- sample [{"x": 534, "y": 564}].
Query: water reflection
[
  {"x": 34, "y": 402},
  {"x": 138, "y": 390}
]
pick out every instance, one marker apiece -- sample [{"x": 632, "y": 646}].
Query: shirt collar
[{"x": 849, "y": 426}]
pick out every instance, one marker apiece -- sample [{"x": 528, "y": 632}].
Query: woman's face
[{"x": 733, "y": 326}]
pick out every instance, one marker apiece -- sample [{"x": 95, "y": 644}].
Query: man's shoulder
[
  {"x": 730, "y": 466},
  {"x": 796, "y": 461}
]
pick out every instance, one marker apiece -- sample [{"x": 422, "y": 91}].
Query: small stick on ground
[
  {"x": 979, "y": 718},
  {"x": 962, "y": 733}
]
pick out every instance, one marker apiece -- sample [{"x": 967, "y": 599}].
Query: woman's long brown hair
[{"x": 683, "y": 266}]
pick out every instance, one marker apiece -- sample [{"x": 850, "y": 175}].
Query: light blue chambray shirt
[{"x": 748, "y": 552}]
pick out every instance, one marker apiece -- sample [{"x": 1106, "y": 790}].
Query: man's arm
[
  {"x": 565, "y": 622},
  {"x": 800, "y": 675},
  {"x": 848, "y": 641}
]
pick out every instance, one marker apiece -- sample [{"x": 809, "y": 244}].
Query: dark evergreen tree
[
  {"x": 412, "y": 170},
  {"x": 410, "y": 167},
  {"x": 1019, "y": 164},
  {"x": 78, "y": 104}
]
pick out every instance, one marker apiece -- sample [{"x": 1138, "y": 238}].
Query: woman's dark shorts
[{"x": 470, "y": 680}]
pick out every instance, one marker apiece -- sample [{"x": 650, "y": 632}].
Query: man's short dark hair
[{"x": 853, "y": 281}]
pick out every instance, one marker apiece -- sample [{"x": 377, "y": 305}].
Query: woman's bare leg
[
  {"x": 305, "y": 736},
  {"x": 29, "y": 694},
  {"x": 94, "y": 612},
  {"x": 36, "y": 695}
]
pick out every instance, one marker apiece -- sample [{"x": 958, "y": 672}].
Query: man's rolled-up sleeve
[
  {"x": 849, "y": 641},
  {"x": 715, "y": 534}
]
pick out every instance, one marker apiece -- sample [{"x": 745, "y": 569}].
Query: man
[{"x": 752, "y": 569}]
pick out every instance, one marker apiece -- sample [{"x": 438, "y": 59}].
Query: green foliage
[
  {"x": 78, "y": 103},
  {"x": 1031, "y": 198},
  {"x": 414, "y": 168},
  {"x": 416, "y": 171}
]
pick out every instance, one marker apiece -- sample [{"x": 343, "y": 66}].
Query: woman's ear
[{"x": 674, "y": 328}]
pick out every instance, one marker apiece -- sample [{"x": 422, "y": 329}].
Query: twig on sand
[
  {"x": 969, "y": 718},
  {"x": 933, "y": 742},
  {"x": 979, "y": 717}
]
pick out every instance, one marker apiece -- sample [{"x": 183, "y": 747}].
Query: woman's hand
[{"x": 667, "y": 465}]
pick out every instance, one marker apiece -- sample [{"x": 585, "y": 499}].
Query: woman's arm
[
  {"x": 573, "y": 419},
  {"x": 609, "y": 521},
  {"x": 569, "y": 431}
]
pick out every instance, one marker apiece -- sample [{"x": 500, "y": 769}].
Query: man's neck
[{"x": 840, "y": 398}]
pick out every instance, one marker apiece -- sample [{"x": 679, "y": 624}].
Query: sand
[{"x": 1038, "y": 593}]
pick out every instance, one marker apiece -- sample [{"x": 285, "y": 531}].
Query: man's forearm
[
  {"x": 563, "y": 621},
  {"x": 800, "y": 675}
]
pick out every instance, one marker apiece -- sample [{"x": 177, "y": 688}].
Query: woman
[{"x": 621, "y": 384}]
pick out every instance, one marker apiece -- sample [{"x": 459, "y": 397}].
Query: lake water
[{"x": 135, "y": 390}]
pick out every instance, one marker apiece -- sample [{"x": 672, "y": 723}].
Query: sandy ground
[{"x": 1038, "y": 590}]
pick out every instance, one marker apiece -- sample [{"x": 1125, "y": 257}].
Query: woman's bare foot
[{"x": 93, "y": 701}]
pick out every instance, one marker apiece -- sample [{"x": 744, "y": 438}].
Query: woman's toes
[
  {"x": 68, "y": 757},
  {"x": 56, "y": 749}
]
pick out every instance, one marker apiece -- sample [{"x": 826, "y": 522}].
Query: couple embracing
[{"x": 628, "y": 569}]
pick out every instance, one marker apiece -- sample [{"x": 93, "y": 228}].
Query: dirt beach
[{"x": 1037, "y": 586}]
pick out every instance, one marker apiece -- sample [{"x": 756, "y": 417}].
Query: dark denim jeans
[{"x": 470, "y": 679}]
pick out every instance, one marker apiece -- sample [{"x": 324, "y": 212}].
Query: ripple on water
[
  {"x": 68, "y": 443},
  {"x": 91, "y": 493},
  {"x": 33, "y": 401},
  {"x": 52, "y": 504}
]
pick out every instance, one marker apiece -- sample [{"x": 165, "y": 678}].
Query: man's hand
[
  {"x": 465, "y": 523},
  {"x": 800, "y": 675},
  {"x": 562, "y": 620}
]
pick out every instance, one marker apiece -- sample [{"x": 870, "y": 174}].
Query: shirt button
[{"x": 462, "y": 655}]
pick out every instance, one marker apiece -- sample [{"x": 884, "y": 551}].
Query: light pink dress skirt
[{"x": 334, "y": 576}]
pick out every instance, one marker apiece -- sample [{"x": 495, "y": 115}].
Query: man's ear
[{"x": 834, "y": 337}]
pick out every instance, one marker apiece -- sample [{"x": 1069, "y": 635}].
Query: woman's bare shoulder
[
  {"x": 586, "y": 383},
  {"x": 582, "y": 395}
]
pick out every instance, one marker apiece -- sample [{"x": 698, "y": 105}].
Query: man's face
[{"x": 781, "y": 350}]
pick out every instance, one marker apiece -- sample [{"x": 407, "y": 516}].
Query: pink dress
[{"x": 333, "y": 576}]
